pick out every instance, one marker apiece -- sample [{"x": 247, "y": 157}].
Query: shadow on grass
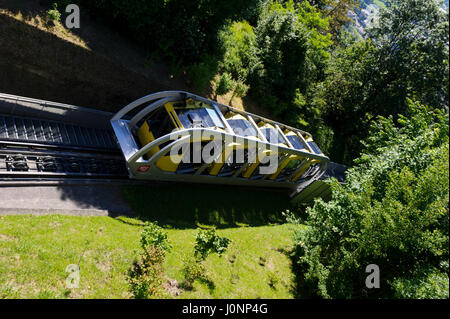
[{"x": 190, "y": 206}]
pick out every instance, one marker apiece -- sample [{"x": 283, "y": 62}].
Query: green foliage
[
  {"x": 337, "y": 12},
  {"x": 340, "y": 98},
  {"x": 238, "y": 42},
  {"x": 392, "y": 211},
  {"x": 428, "y": 283},
  {"x": 54, "y": 14},
  {"x": 291, "y": 53},
  {"x": 412, "y": 54},
  {"x": 208, "y": 242},
  {"x": 240, "y": 89},
  {"x": 405, "y": 55},
  {"x": 145, "y": 277},
  {"x": 153, "y": 235},
  {"x": 180, "y": 30},
  {"x": 225, "y": 84},
  {"x": 193, "y": 270},
  {"x": 202, "y": 73}
]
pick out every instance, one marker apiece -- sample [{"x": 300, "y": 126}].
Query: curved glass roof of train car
[
  {"x": 242, "y": 127},
  {"x": 199, "y": 117},
  {"x": 314, "y": 147},
  {"x": 295, "y": 141},
  {"x": 272, "y": 135}
]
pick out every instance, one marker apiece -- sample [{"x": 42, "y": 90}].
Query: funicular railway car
[{"x": 179, "y": 136}]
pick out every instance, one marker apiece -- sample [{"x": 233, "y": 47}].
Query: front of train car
[{"x": 179, "y": 136}]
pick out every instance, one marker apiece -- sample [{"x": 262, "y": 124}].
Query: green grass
[{"x": 35, "y": 250}]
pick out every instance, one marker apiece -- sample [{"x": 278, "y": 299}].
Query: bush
[
  {"x": 392, "y": 211},
  {"x": 430, "y": 283},
  {"x": 238, "y": 44},
  {"x": 153, "y": 235},
  {"x": 200, "y": 74},
  {"x": 240, "y": 90},
  {"x": 207, "y": 242},
  {"x": 225, "y": 84},
  {"x": 54, "y": 14},
  {"x": 193, "y": 270},
  {"x": 145, "y": 277}
]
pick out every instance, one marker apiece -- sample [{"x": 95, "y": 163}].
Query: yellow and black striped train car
[{"x": 179, "y": 136}]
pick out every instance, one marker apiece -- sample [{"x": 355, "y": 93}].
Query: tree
[
  {"x": 405, "y": 56},
  {"x": 291, "y": 54},
  {"x": 337, "y": 13},
  {"x": 411, "y": 38}
]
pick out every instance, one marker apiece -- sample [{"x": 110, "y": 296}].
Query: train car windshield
[
  {"x": 160, "y": 124},
  {"x": 202, "y": 117}
]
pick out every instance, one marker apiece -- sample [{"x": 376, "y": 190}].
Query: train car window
[
  {"x": 315, "y": 148},
  {"x": 295, "y": 141},
  {"x": 232, "y": 164},
  {"x": 160, "y": 123},
  {"x": 289, "y": 169},
  {"x": 215, "y": 118},
  {"x": 272, "y": 135},
  {"x": 257, "y": 174},
  {"x": 187, "y": 164},
  {"x": 242, "y": 127},
  {"x": 203, "y": 116}
]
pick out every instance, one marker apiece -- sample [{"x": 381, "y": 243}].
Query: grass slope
[{"x": 35, "y": 251}]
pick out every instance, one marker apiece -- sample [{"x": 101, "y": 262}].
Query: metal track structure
[
  {"x": 33, "y": 148},
  {"x": 125, "y": 123}
]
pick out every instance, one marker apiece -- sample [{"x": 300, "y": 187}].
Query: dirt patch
[
  {"x": 270, "y": 265},
  {"x": 104, "y": 263},
  {"x": 172, "y": 287},
  {"x": 7, "y": 237}
]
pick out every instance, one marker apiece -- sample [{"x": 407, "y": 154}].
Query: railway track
[
  {"x": 35, "y": 151},
  {"x": 38, "y": 149}
]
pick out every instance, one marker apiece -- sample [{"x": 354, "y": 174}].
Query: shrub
[
  {"x": 145, "y": 277},
  {"x": 237, "y": 42},
  {"x": 392, "y": 211},
  {"x": 54, "y": 14},
  {"x": 193, "y": 270},
  {"x": 272, "y": 280},
  {"x": 240, "y": 90},
  {"x": 225, "y": 84},
  {"x": 207, "y": 242},
  {"x": 422, "y": 283},
  {"x": 153, "y": 235},
  {"x": 202, "y": 73}
]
